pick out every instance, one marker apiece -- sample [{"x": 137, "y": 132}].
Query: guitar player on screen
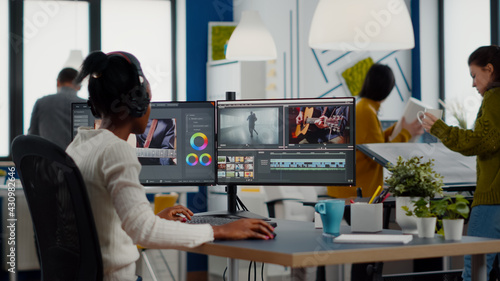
[
  {"x": 326, "y": 124},
  {"x": 159, "y": 134},
  {"x": 158, "y": 141}
]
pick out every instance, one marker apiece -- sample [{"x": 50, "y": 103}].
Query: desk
[{"x": 299, "y": 244}]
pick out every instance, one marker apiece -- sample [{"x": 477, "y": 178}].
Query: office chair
[
  {"x": 286, "y": 202},
  {"x": 60, "y": 210}
]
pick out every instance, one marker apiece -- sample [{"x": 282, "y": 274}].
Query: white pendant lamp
[
  {"x": 361, "y": 25},
  {"x": 74, "y": 60},
  {"x": 250, "y": 40}
]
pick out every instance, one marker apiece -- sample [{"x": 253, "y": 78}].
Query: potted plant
[
  {"x": 409, "y": 181},
  {"x": 426, "y": 217},
  {"x": 453, "y": 211}
]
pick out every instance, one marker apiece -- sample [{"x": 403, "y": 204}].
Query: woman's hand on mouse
[
  {"x": 176, "y": 213},
  {"x": 244, "y": 229}
]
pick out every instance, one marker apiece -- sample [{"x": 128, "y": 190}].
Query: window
[
  {"x": 143, "y": 28},
  {"x": 472, "y": 20},
  {"x": 4, "y": 82},
  {"x": 51, "y": 30}
]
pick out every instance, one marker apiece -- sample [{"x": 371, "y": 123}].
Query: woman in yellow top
[{"x": 378, "y": 84}]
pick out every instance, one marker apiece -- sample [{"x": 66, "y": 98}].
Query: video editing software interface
[
  {"x": 290, "y": 142},
  {"x": 178, "y": 146}
]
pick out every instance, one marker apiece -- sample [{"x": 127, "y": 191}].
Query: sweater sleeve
[
  {"x": 482, "y": 140},
  {"x": 121, "y": 175},
  {"x": 368, "y": 128}
]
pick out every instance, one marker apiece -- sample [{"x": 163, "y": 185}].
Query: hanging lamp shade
[
  {"x": 250, "y": 40},
  {"x": 74, "y": 60},
  {"x": 361, "y": 25}
]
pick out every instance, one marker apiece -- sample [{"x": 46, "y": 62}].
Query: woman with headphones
[{"x": 120, "y": 95}]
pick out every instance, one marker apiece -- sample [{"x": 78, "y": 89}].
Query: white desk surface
[{"x": 299, "y": 244}]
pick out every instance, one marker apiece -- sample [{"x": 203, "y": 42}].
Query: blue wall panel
[{"x": 198, "y": 14}]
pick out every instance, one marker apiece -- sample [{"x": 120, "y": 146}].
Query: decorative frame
[
  {"x": 353, "y": 73},
  {"x": 218, "y": 35}
]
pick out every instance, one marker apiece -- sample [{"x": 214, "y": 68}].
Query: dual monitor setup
[{"x": 244, "y": 142}]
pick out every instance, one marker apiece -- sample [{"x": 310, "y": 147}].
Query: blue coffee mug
[{"x": 332, "y": 212}]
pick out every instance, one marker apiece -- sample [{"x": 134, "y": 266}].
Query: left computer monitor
[{"x": 179, "y": 150}]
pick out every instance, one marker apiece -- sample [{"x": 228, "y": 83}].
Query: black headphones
[{"x": 138, "y": 99}]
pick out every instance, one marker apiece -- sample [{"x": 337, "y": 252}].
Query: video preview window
[
  {"x": 250, "y": 126},
  {"x": 156, "y": 146},
  {"x": 319, "y": 124}
]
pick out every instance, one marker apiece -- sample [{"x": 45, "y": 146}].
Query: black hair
[
  {"x": 487, "y": 54},
  {"x": 66, "y": 75},
  {"x": 378, "y": 83},
  {"x": 111, "y": 80}
]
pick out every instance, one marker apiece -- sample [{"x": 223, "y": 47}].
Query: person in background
[
  {"x": 378, "y": 84},
  {"x": 51, "y": 115},
  {"x": 120, "y": 94},
  {"x": 482, "y": 141}
]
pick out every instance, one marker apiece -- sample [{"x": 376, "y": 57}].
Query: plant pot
[
  {"x": 408, "y": 224},
  {"x": 426, "y": 227},
  {"x": 453, "y": 229}
]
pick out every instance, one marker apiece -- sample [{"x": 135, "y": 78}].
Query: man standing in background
[{"x": 51, "y": 115}]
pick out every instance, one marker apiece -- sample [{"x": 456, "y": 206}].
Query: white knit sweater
[{"x": 122, "y": 213}]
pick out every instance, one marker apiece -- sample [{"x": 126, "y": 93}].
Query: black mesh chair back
[{"x": 60, "y": 210}]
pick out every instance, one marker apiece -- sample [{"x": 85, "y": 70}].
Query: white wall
[
  {"x": 4, "y": 79},
  {"x": 471, "y": 18},
  {"x": 429, "y": 60}
]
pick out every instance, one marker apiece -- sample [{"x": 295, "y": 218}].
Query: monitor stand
[{"x": 232, "y": 200}]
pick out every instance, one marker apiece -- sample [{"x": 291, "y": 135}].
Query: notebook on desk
[{"x": 374, "y": 238}]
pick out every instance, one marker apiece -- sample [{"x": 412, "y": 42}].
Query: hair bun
[{"x": 94, "y": 65}]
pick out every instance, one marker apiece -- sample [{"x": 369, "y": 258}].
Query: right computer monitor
[{"x": 286, "y": 142}]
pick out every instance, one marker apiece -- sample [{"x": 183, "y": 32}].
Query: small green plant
[
  {"x": 414, "y": 178},
  {"x": 422, "y": 209},
  {"x": 452, "y": 208}
]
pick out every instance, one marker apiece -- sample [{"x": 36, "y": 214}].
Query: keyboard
[
  {"x": 212, "y": 220},
  {"x": 217, "y": 220}
]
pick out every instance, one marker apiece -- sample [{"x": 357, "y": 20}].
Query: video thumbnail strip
[
  {"x": 307, "y": 164},
  {"x": 235, "y": 167}
]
